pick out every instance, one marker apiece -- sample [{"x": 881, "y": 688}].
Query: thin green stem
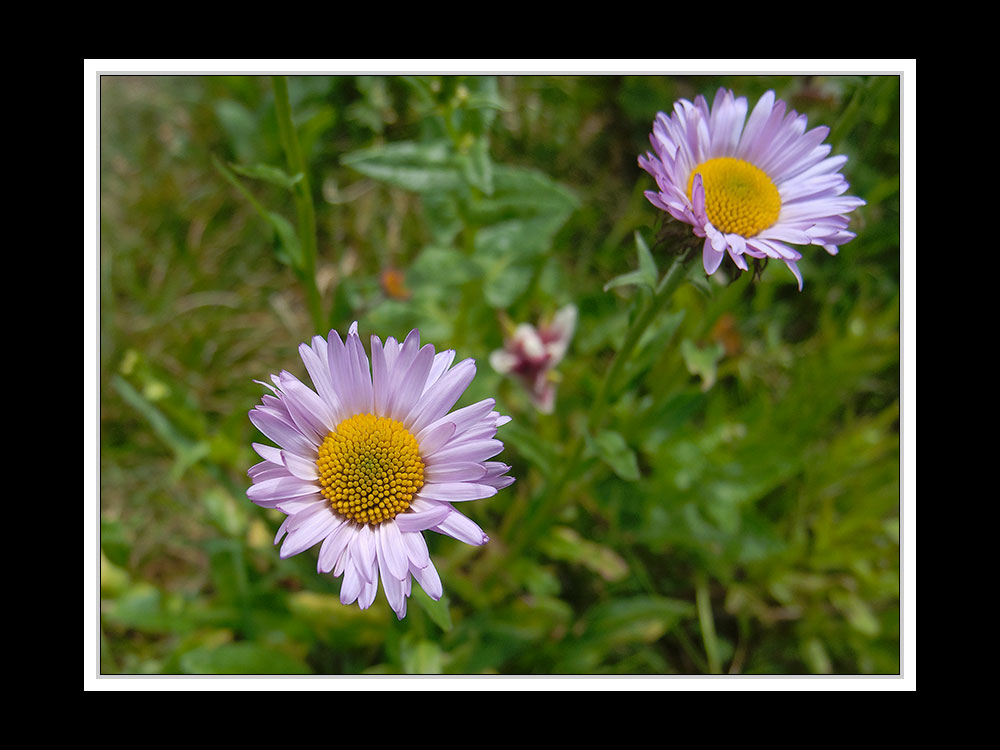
[
  {"x": 703, "y": 603},
  {"x": 668, "y": 284},
  {"x": 551, "y": 502},
  {"x": 690, "y": 649},
  {"x": 304, "y": 208}
]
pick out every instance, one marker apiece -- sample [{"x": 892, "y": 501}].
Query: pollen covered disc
[
  {"x": 370, "y": 468},
  {"x": 739, "y": 197}
]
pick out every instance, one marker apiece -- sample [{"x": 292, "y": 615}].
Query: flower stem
[
  {"x": 664, "y": 290},
  {"x": 551, "y": 502},
  {"x": 304, "y": 207},
  {"x": 707, "y": 623}
]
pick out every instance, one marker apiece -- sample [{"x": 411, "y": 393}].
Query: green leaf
[
  {"x": 651, "y": 346},
  {"x": 563, "y": 543},
  {"x": 422, "y": 657},
  {"x": 114, "y": 542},
  {"x": 288, "y": 247},
  {"x": 505, "y": 281},
  {"x": 420, "y": 167},
  {"x": 438, "y": 268},
  {"x": 616, "y": 453},
  {"x": 241, "y": 658},
  {"x": 228, "y": 567},
  {"x": 187, "y": 452},
  {"x": 647, "y": 264},
  {"x": 287, "y": 240},
  {"x": 632, "y": 278},
  {"x": 144, "y": 607},
  {"x": 267, "y": 173},
  {"x": 695, "y": 276},
  {"x": 114, "y": 579},
  {"x": 512, "y": 240},
  {"x": 703, "y": 361},
  {"x": 478, "y": 167},
  {"x": 437, "y": 610},
  {"x": 224, "y": 512},
  {"x": 531, "y": 448},
  {"x": 857, "y": 611},
  {"x": 815, "y": 656},
  {"x": 647, "y": 274},
  {"x": 525, "y": 193},
  {"x": 619, "y": 622}
]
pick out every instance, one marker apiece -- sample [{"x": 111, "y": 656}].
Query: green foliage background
[{"x": 738, "y": 510}]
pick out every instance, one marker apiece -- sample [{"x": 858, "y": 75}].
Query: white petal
[
  {"x": 429, "y": 580},
  {"x": 434, "y": 438},
  {"x": 351, "y": 586},
  {"x": 423, "y": 519},
  {"x": 332, "y": 548},
  {"x": 300, "y": 467},
  {"x": 416, "y": 549},
  {"x": 391, "y": 549},
  {"x": 456, "y": 492}
]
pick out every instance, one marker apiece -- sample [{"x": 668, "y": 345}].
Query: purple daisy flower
[
  {"x": 372, "y": 458},
  {"x": 749, "y": 186}
]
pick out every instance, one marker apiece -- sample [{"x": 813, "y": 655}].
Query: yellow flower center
[
  {"x": 370, "y": 468},
  {"x": 739, "y": 197}
]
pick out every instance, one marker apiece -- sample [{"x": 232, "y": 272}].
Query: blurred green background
[{"x": 738, "y": 515}]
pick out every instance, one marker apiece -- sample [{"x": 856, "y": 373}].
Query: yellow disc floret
[
  {"x": 739, "y": 197},
  {"x": 370, "y": 468}
]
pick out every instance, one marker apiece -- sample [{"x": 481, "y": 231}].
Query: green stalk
[
  {"x": 551, "y": 502},
  {"x": 664, "y": 290},
  {"x": 707, "y": 622},
  {"x": 304, "y": 207}
]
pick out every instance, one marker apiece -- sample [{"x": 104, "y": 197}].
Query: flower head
[
  {"x": 750, "y": 186},
  {"x": 372, "y": 458},
  {"x": 531, "y": 354}
]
